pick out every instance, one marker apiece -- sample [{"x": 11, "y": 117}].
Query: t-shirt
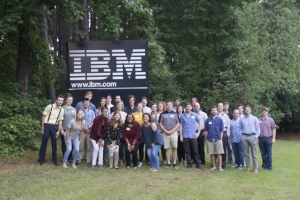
[
  {"x": 138, "y": 117},
  {"x": 69, "y": 113},
  {"x": 74, "y": 129}
]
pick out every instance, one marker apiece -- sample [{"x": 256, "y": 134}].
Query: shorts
[
  {"x": 170, "y": 140},
  {"x": 215, "y": 147}
]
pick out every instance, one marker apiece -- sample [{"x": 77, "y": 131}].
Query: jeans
[
  {"x": 265, "y": 146},
  {"x": 238, "y": 153},
  {"x": 75, "y": 143},
  {"x": 225, "y": 143},
  {"x": 133, "y": 153},
  {"x": 250, "y": 141},
  {"x": 49, "y": 131},
  {"x": 229, "y": 157},
  {"x": 63, "y": 146},
  {"x": 191, "y": 145},
  {"x": 153, "y": 156},
  {"x": 98, "y": 152},
  {"x": 201, "y": 150},
  {"x": 180, "y": 151}
]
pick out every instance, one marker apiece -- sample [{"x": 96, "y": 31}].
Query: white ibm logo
[{"x": 99, "y": 67}]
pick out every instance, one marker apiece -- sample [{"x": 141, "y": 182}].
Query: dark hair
[
  {"x": 68, "y": 95},
  {"x": 59, "y": 96},
  {"x": 109, "y": 96},
  {"x": 99, "y": 105},
  {"x": 188, "y": 104},
  {"x": 150, "y": 118},
  {"x": 130, "y": 96},
  {"x": 239, "y": 106},
  {"x": 169, "y": 102},
  {"x": 247, "y": 106},
  {"x": 103, "y": 108},
  {"x": 178, "y": 107},
  {"x": 225, "y": 103},
  {"x": 213, "y": 107},
  {"x": 144, "y": 98},
  {"x": 112, "y": 120},
  {"x": 86, "y": 99},
  {"x": 126, "y": 120},
  {"x": 117, "y": 96},
  {"x": 193, "y": 98},
  {"x": 176, "y": 98}
]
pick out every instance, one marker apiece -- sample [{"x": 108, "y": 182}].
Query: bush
[{"x": 17, "y": 131}]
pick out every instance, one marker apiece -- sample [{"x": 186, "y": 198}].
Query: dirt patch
[{"x": 288, "y": 136}]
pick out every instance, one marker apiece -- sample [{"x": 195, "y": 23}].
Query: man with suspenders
[{"x": 51, "y": 126}]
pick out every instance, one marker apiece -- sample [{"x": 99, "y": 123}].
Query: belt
[
  {"x": 265, "y": 136},
  {"x": 51, "y": 124},
  {"x": 248, "y": 134}
]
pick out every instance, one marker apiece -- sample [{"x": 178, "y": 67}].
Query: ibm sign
[{"x": 108, "y": 65}]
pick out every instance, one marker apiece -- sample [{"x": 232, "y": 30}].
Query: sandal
[
  {"x": 128, "y": 167},
  {"x": 110, "y": 167},
  {"x": 212, "y": 169},
  {"x": 116, "y": 167}
]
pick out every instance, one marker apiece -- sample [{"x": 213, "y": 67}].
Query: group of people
[{"x": 106, "y": 132}]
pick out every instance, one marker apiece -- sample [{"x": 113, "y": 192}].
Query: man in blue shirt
[
  {"x": 214, "y": 132},
  {"x": 88, "y": 95},
  {"x": 189, "y": 135},
  {"x": 86, "y": 144},
  {"x": 250, "y": 131},
  {"x": 131, "y": 107},
  {"x": 235, "y": 140}
]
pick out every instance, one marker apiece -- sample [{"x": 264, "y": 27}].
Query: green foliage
[{"x": 16, "y": 131}]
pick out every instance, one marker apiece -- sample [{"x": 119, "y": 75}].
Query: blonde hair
[
  {"x": 79, "y": 120},
  {"x": 112, "y": 120}
]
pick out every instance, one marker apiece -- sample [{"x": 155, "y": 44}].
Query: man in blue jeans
[
  {"x": 266, "y": 138},
  {"x": 51, "y": 127}
]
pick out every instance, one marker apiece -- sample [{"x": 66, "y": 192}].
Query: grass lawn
[{"x": 30, "y": 181}]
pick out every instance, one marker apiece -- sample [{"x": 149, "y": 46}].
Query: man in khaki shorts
[
  {"x": 169, "y": 123},
  {"x": 214, "y": 133}
]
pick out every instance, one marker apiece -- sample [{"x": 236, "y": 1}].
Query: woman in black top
[{"x": 113, "y": 140}]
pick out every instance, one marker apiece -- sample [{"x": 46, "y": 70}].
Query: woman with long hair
[
  {"x": 113, "y": 140},
  {"x": 102, "y": 104},
  {"x": 161, "y": 107},
  {"x": 69, "y": 113},
  {"x": 97, "y": 136},
  {"x": 74, "y": 136},
  {"x": 180, "y": 150},
  {"x": 154, "y": 114},
  {"x": 120, "y": 109},
  {"x": 131, "y": 134},
  {"x": 153, "y": 140}
]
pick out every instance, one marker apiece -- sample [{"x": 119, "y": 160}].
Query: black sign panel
[{"x": 108, "y": 67}]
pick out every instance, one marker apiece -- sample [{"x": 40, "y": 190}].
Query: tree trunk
[
  {"x": 64, "y": 36},
  {"x": 93, "y": 24},
  {"x": 23, "y": 60},
  {"x": 49, "y": 86},
  {"x": 84, "y": 23}
]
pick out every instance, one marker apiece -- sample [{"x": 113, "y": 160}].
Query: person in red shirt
[{"x": 131, "y": 134}]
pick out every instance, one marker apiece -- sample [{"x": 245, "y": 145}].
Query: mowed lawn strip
[{"x": 50, "y": 182}]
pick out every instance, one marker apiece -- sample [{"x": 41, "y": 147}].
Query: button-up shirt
[
  {"x": 130, "y": 110},
  {"x": 188, "y": 124},
  {"x": 88, "y": 117},
  {"x": 214, "y": 127},
  {"x": 235, "y": 130},
  {"x": 249, "y": 125},
  {"x": 168, "y": 119},
  {"x": 266, "y": 126},
  {"x": 202, "y": 116},
  {"x": 226, "y": 122},
  {"x": 55, "y": 115},
  {"x": 79, "y": 106}
]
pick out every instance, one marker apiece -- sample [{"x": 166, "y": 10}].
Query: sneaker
[
  {"x": 262, "y": 168},
  {"x": 93, "y": 166},
  {"x": 175, "y": 166},
  {"x": 100, "y": 166},
  {"x": 168, "y": 166},
  {"x": 220, "y": 169},
  {"x": 154, "y": 170},
  {"x": 189, "y": 166},
  {"x": 272, "y": 170},
  {"x": 41, "y": 163},
  {"x": 140, "y": 164},
  {"x": 241, "y": 167},
  {"x": 234, "y": 166}
]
